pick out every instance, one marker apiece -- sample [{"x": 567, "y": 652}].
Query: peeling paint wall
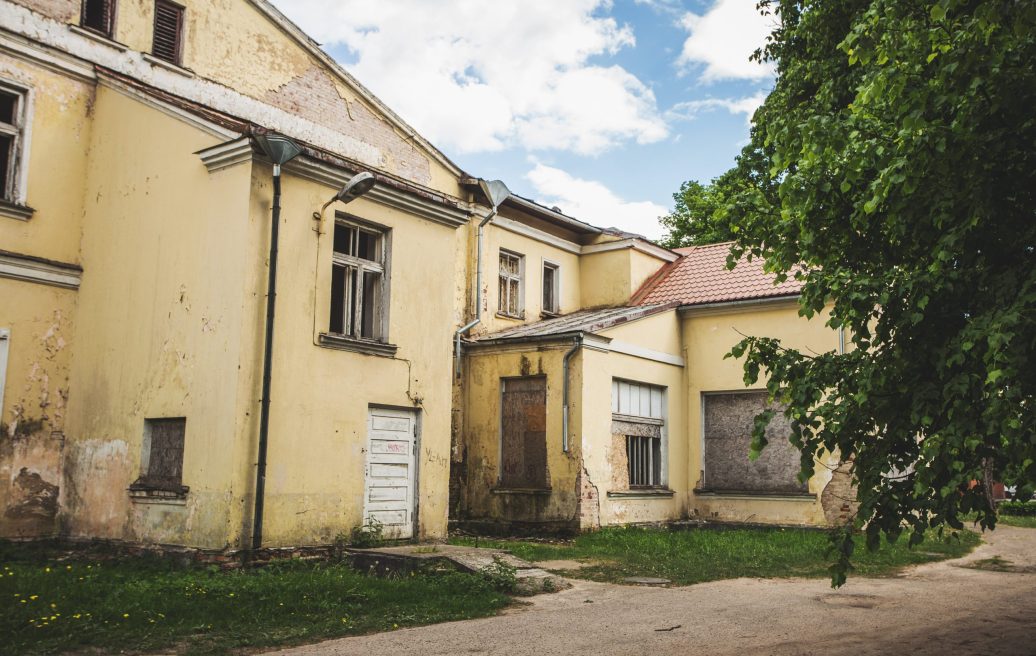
[
  {"x": 239, "y": 61},
  {"x": 40, "y": 317},
  {"x": 708, "y": 336},
  {"x": 604, "y": 454},
  {"x": 485, "y": 501}
]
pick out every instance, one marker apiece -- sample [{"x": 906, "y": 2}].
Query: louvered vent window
[
  {"x": 98, "y": 16},
  {"x": 168, "y": 31}
]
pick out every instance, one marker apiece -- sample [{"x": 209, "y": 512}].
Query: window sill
[
  {"x": 550, "y": 315},
  {"x": 646, "y": 493},
  {"x": 760, "y": 496},
  {"x": 144, "y": 493},
  {"x": 15, "y": 211},
  {"x": 367, "y": 347},
  {"x": 511, "y": 317},
  {"x": 176, "y": 68},
  {"x": 98, "y": 37},
  {"x": 534, "y": 491}
]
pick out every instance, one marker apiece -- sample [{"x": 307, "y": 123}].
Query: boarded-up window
[
  {"x": 162, "y": 468},
  {"x": 728, "y": 436},
  {"x": 523, "y": 427},
  {"x": 168, "y": 39},
  {"x": 98, "y": 15}
]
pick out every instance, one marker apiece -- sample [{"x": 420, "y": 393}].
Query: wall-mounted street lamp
[{"x": 280, "y": 150}]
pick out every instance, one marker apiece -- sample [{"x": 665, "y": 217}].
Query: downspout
[
  {"x": 264, "y": 408},
  {"x": 463, "y": 330},
  {"x": 576, "y": 344}
]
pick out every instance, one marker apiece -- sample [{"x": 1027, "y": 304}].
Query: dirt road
[{"x": 942, "y": 608}]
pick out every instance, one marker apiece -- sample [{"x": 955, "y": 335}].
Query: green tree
[
  {"x": 895, "y": 163},
  {"x": 699, "y": 213}
]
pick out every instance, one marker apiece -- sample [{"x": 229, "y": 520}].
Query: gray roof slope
[{"x": 584, "y": 321}]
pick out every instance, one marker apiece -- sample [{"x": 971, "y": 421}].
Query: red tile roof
[{"x": 701, "y": 276}]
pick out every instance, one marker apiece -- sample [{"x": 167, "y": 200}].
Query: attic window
[
  {"x": 98, "y": 15},
  {"x": 168, "y": 41}
]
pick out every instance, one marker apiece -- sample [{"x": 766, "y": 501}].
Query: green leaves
[{"x": 894, "y": 162}]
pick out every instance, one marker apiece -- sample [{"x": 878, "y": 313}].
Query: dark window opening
[
  {"x": 168, "y": 38},
  {"x": 523, "y": 425},
  {"x": 98, "y": 15},
  {"x": 164, "y": 442},
  {"x": 358, "y": 282},
  {"x": 10, "y": 133},
  {"x": 551, "y": 304},
  {"x": 644, "y": 457},
  {"x": 8, "y": 108},
  {"x": 6, "y": 153}
]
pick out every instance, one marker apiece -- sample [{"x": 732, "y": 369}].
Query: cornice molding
[
  {"x": 227, "y": 154},
  {"x": 636, "y": 244},
  {"x": 536, "y": 234},
  {"x": 33, "y": 269},
  {"x": 335, "y": 177}
]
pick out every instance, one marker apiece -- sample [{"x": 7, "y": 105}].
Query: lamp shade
[{"x": 277, "y": 147}]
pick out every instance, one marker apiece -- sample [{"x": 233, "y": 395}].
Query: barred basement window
[
  {"x": 168, "y": 40},
  {"x": 638, "y": 418},
  {"x": 162, "y": 461},
  {"x": 510, "y": 297},
  {"x": 551, "y": 288},
  {"x": 12, "y": 133},
  {"x": 98, "y": 15},
  {"x": 358, "y": 281}
]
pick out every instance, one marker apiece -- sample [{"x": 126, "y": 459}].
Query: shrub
[
  {"x": 1017, "y": 508},
  {"x": 367, "y": 535},
  {"x": 501, "y": 576}
]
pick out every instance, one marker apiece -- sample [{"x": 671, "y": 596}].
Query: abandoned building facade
[{"x": 578, "y": 382}]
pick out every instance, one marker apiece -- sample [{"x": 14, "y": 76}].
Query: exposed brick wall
[
  {"x": 315, "y": 96},
  {"x": 62, "y": 10},
  {"x": 839, "y": 497},
  {"x": 589, "y": 502}
]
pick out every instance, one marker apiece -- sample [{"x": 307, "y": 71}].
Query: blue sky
[{"x": 599, "y": 107}]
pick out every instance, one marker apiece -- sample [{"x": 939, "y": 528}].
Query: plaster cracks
[{"x": 589, "y": 501}]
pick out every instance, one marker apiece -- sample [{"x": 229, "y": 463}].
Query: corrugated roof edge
[{"x": 643, "y": 312}]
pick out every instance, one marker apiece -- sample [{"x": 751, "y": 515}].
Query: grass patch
[
  {"x": 1016, "y": 520},
  {"x": 698, "y": 555},
  {"x": 52, "y": 603}
]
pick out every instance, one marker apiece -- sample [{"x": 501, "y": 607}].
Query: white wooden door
[{"x": 391, "y": 471}]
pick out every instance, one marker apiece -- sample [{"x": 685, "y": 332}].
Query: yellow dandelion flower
[
  {"x": 34, "y": 597},
  {"x": 125, "y": 615},
  {"x": 46, "y": 569}
]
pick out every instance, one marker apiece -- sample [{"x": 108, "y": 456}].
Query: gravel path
[{"x": 941, "y": 608}]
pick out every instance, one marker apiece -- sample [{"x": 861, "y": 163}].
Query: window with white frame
[
  {"x": 638, "y": 416},
  {"x": 359, "y": 284},
  {"x": 13, "y": 101},
  {"x": 551, "y": 288},
  {"x": 510, "y": 298}
]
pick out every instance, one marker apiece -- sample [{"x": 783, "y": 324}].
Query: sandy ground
[{"x": 942, "y": 608}]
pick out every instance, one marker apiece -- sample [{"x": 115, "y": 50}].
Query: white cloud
[
  {"x": 690, "y": 109},
  {"x": 722, "y": 40},
  {"x": 593, "y": 202},
  {"x": 474, "y": 76}
]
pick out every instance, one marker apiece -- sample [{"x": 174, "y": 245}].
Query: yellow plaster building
[{"x": 135, "y": 254}]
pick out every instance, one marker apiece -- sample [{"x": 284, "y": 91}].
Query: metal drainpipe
[
  {"x": 463, "y": 330},
  {"x": 264, "y": 408},
  {"x": 578, "y": 342}
]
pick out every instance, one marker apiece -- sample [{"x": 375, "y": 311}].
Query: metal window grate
[
  {"x": 98, "y": 15},
  {"x": 644, "y": 455},
  {"x": 168, "y": 38}
]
